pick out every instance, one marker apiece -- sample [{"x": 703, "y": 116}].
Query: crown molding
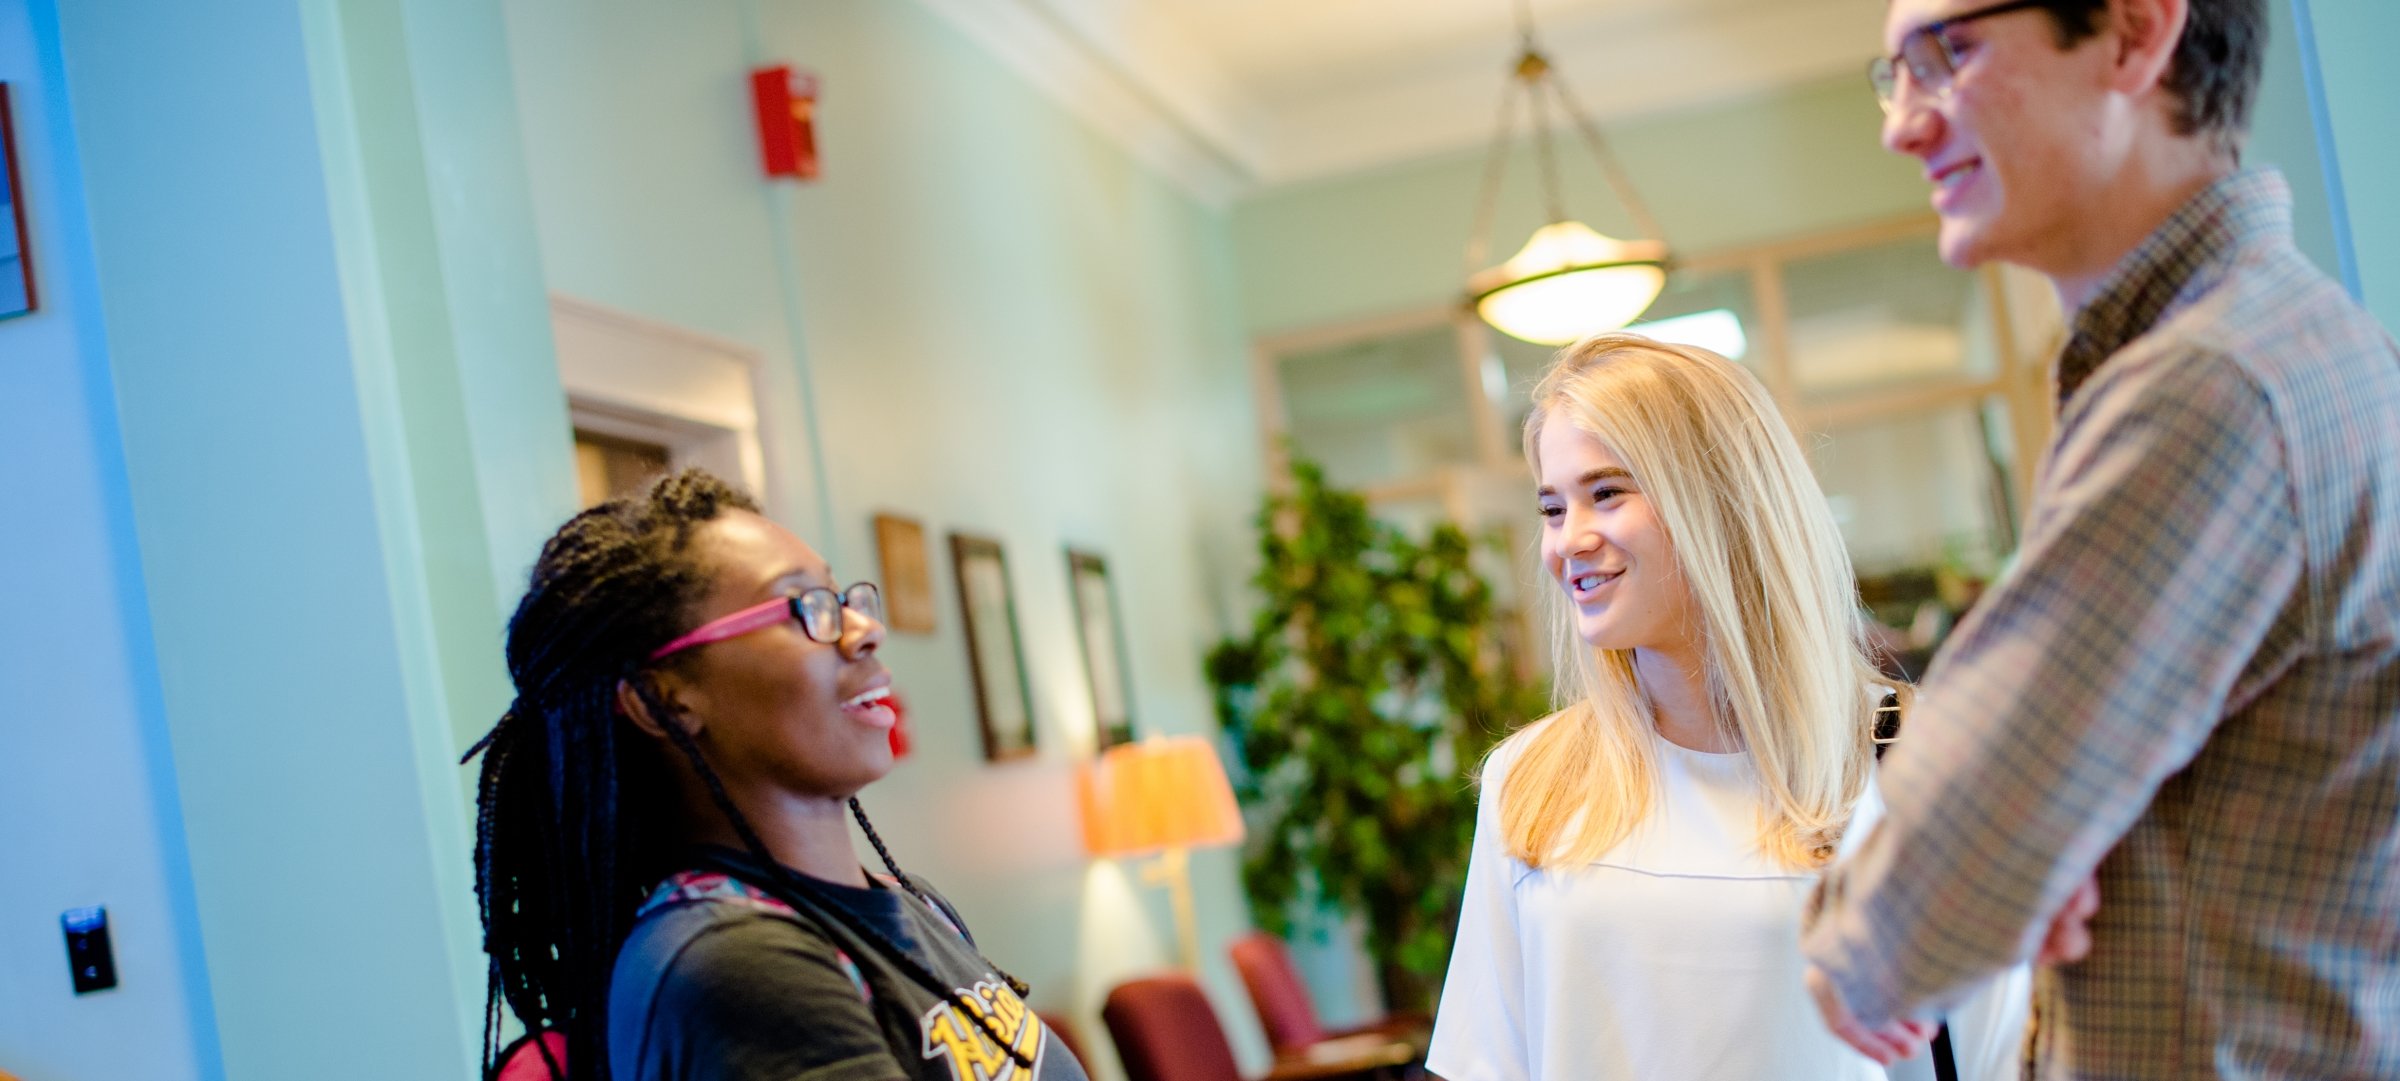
[
  {"x": 1194, "y": 151},
  {"x": 1143, "y": 76}
]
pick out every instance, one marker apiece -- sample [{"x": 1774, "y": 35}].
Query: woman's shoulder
[
  {"x": 714, "y": 935},
  {"x": 749, "y": 991},
  {"x": 1512, "y": 747},
  {"x": 1492, "y": 777},
  {"x": 717, "y": 960}
]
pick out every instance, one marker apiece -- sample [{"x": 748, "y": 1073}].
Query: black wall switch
[{"x": 88, "y": 955}]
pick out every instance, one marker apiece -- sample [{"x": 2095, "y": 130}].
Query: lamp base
[{"x": 1173, "y": 870}]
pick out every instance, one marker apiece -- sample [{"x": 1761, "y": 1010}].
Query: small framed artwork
[
  {"x": 16, "y": 254},
  {"x": 907, "y": 581},
  {"x": 1103, "y": 638},
  {"x": 995, "y": 654}
]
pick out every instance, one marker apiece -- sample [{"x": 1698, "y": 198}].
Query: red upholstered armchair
[
  {"x": 1165, "y": 1030},
  {"x": 1285, "y": 1011}
]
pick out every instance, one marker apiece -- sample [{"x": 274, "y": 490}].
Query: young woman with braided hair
[{"x": 663, "y": 858}]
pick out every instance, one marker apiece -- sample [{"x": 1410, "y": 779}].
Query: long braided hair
[{"x": 575, "y": 806}]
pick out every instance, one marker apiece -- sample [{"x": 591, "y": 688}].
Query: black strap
[
  {"x": 1887, "y": 729},
  {"x": 1887, "y": 722}
]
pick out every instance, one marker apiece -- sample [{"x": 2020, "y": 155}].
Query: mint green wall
[
  {"x": 1011, "y": 329},
  {"x": 1780, "y": 165},
  {"x": 314, "y": 855},
  {"x": 89, "y": 808},
  {"x": 2359, "y": 111},
  {"x": 444, "y": 281},
  {"x": 319, "y": 415},
  {"x": 645, "y": 190},
  {"x": 2283, "y": 134},
  {"x": 461, "y": 411}
]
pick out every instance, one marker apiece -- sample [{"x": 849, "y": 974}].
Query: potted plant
[{"x": 1371, "y": 684}]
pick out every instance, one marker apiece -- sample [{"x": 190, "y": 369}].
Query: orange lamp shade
[{"x": 1158, "y": 794}]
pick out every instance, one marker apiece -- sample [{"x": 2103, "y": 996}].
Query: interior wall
[
  {"x": 2355, "y": 94},
  {"x": 458, "y": 405},
  {"x": 2283, "y": 134},
  {"x": 1007, "y": 328},
  {"x": 318, "y": 859},
  {"x": 89, "y": 811},
  {"x": 291, "y": 357}
]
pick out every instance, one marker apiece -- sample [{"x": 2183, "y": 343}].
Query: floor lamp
[{"x": 1165, "y": 796}]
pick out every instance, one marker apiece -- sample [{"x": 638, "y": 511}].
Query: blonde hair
[{"x": 1786, "y": 652}]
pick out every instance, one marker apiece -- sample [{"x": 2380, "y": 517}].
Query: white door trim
[{"x": 636, "y": 378}]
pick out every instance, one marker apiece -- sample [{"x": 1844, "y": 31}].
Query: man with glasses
[{"x": 2188, "y": 687}]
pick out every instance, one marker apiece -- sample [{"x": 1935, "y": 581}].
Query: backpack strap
[
  {"x": 1887, "y": 723},
  {"x": 1945, "y": 1062},
  {"x": 1886, "y": 733}
]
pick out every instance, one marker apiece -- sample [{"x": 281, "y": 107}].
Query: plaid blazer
[{"x": 2189, "y": 681}]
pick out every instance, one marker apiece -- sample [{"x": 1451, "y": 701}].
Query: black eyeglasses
[
  {"x": 819, "y": 612},
  {"x": 1926, "y": 52}
]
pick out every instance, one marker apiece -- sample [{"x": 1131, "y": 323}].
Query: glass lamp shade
[
  {"x": 1570, "y": 281},
  {"x": 1158, "y": 794}
]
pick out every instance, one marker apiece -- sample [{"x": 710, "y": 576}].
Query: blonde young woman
[{"x": 1642, "y": 856}]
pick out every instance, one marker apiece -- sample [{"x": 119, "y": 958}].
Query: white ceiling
[{"x": 1230, "y": 95}]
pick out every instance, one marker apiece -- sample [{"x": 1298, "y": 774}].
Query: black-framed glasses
[
  {"x": 1925, "y": 51},
  {"x": 818, "y": 611}
]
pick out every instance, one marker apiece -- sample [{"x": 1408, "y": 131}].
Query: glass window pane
[
  {"x": 1704, "y": 306},
  {"x": 1689, "y": 294},
  {"x": 1926, "y": 504},
  {"x": 1415, "y": 513},
  {"x": 1882, "y": 318},
  {"x": 1380, "y": 410},
  {"x": 1922, "y": 491}
]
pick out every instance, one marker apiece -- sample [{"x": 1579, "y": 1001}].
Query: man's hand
[
  {"x": 2070, "y": 936},
  {"x": 1886, "y": 1044}
]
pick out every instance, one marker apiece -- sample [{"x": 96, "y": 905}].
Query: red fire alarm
[{"x": 787, "y": 126}]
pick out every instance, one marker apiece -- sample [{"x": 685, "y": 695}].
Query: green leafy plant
[{"x": 1371, "y": 683}]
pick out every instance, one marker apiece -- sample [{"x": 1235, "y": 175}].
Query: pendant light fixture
[{"x": 1569, "y": 280}]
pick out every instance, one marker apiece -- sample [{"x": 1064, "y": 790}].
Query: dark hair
[
  {"x": 2215, "y": 71},
  {"x": 574, "y": 805}
]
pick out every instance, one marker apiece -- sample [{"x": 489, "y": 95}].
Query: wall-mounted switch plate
[{"x": 88, "y": 956}]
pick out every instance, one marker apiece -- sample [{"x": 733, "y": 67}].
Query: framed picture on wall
[
  {"x": 1103, "y": 638},
  {"x": 907, "y": 581},
  {"x": 16, "y": 253},
  {"x": 996, "y": 656}
]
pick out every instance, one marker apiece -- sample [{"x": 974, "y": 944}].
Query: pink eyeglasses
[{"x": 819, "y": 612}]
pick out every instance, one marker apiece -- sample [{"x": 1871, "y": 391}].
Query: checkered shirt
[{"x": 2190, "y": 681}]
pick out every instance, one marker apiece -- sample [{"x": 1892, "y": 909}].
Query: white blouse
[{"x": 1674, "y": 957}]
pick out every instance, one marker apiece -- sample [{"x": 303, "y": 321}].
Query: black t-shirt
[{"x": 720, "y": 981}]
